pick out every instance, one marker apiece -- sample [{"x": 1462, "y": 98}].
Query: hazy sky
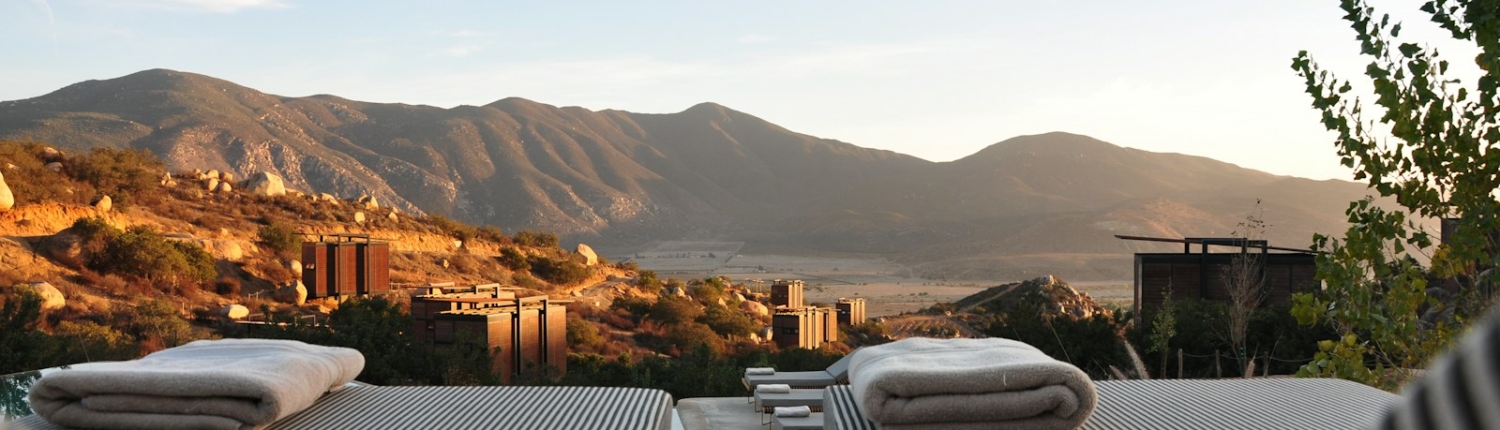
[{"x": 935, "y": 79}]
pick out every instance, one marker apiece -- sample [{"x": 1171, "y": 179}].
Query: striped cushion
[
  {"x": 1461, "y": 389},
  {"x": 1197, "y": 404},
  {"x": 476, "y": 408}
]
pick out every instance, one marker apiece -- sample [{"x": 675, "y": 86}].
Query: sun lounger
[
  {"x": 837, "y": 373},
  {"x": 452, "y": 408},
  {"x": 1284, "y": 403},
  {"x": 811, "y": 422},
  {"x": 810, "y": 397}
]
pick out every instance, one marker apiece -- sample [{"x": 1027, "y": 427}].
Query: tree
[
  {"x": 1438, "y": 162},
  {"x": 1245, "y": 279}
]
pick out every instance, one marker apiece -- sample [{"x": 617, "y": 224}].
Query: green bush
[
  {"x": 141, "y": 253},
  {"x": 32, "y": 182},
  {"x": 282, "y": 239},
  {"x": 514, "y": 260},
  {"x": 558, "y": 271},
  {"x": 455, "y": 229},
  {"x": 728, "y": 322},
  {"x": 128, "y": 176},
  {"x": 674, "y": 310},
  {"x": 536, "y": 239}
]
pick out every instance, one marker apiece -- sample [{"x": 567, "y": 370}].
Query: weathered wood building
[
  {"x": 524, "y": 334},
  {"x": 1205, "y": 275},
  {"x": 337, "y": 265}
]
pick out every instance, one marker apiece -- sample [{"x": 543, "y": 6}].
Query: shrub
[
  {"x": 155, "y": 320},
  {"x": 583, "y": 336},
  {"x": 674, "y": 310},
  {"x": 282, "y": 239},
  {"x": 126, "y": 175},
  {"x": 556, "y": 271},
  {"x": 493, "y": 234},
  {"x": 32, "y": 182},
  {"x": 728, "y": 322},
  {"x": 526, "y": 281},
  {"x": 514, "y": 260},
  {"x": 691, "y": 335},
  {"x": 141, "y": 253},
  {"x": 536, "y": 239},
  {"x": 452, "y": 228}
]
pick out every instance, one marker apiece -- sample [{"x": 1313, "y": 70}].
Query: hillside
[{"x": 1023, "y": 207}]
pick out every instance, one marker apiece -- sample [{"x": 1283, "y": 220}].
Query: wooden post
[
  {"x": 1179, "y": 363},
  {"x": 1218, "y": 371},
  {"x": 1267, "y": 373}
]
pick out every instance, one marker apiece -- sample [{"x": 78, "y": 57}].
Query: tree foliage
[
  {"x": 141, "y": 253},
  {"x": 282, "y": 238},
  {"x": 1438, "y": 162}
]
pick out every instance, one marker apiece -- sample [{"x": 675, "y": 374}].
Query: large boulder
[
  {"x": 52, "y": 298},
  {"x": 7, "y": 200},
  {"x": 225, "y": 176},
  {"x": 64, "y": 247},
  {"x": 234, "y": 312},
  {"x": 104, "y": 203},
  {"x": 50, "y": 154},
  {"x": 589, "y": 257},
  {"x": 265, "y": 184},
  {"x": 369, "y": 202},
  {"x": 295, "y": 293},
  {"x": 55, "y": 166},
  {"x": 755, "y": 308},
  {"x": 295, "y": 266},
  {"x": 212, "y": 184},
  {"x": 212, "y": 174},
  {"x": 359, "y": 217},
  {"x": 225, "y": 188}
]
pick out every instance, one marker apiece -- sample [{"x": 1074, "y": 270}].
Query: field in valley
[{"x": 888, "y": 288}]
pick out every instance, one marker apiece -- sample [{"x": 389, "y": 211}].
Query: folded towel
[
  {"x": 773, "y": 388},
  {"x": 793, "y": 411},
  {"x": 760, "y": 371},
  {"x": 219, "y": 384},
  {"x": 930, "y": 383}
]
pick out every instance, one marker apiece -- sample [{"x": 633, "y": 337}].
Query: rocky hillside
[{"x": 1023, "y": 207}]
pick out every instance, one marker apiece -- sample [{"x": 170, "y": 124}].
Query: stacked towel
[
  {"x": 227, "y": 384},
  {"x": 793, "y": 411},
  {"x": 760, "y": 371},
  {"x": 773, "y": 388},
  {"x": 921, "y": 383}
]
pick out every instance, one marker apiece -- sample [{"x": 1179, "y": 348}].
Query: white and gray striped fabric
[
  {"x": 487, "y": 408},
  {"x": 1197, "y": 404},
  {"x": 1461, "y": 389}
]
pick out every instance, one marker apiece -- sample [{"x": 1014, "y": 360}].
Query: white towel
[
  {"x": 760, "y": 371},
  {"x": 931, "y": 383},
  {"x": 793, "y": 411},
  {"x": 227, "y": 384},
  {"x": 773, "y": 388}
]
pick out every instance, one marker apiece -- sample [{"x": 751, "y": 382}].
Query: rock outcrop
[
  {"x": 52, "y": 298},
  {"x": 589, "y": 257},
  {"x": 103, "y": 204},
  {"x": 234, "y": 312},
  {"x": 7, "y": 199},
  {"x": 265, "y": 184}
]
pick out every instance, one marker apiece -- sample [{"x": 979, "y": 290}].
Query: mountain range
[{"x": 1025, "y": 206}]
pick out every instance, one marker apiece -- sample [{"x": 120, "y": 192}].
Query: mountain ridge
[{"x": 619, "y": 178}]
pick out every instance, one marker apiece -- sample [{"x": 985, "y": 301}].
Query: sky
[{"x": 937, "y": 79}]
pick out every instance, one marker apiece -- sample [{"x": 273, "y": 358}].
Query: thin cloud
[
  {"x": 47, "y": 8},
  {"x": 213, "y": 6}
]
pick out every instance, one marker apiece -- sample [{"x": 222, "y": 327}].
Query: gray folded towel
[
  {"x": 773, "y": 388},
  {"x": 760, "y": 371},
  {"x": 793, "y": 411},
  {"x": 219, "y": 384},
  {"x": 921, "y": 383}
]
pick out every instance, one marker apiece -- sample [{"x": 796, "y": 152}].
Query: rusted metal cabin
[
  {"x": 851, "y": 311},
  {"x": 528, "y": 333},
  {"x": 344, "y": 265},
  {"x": 786, "y": 294},
  {"x": 1203, "y": 274}
]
